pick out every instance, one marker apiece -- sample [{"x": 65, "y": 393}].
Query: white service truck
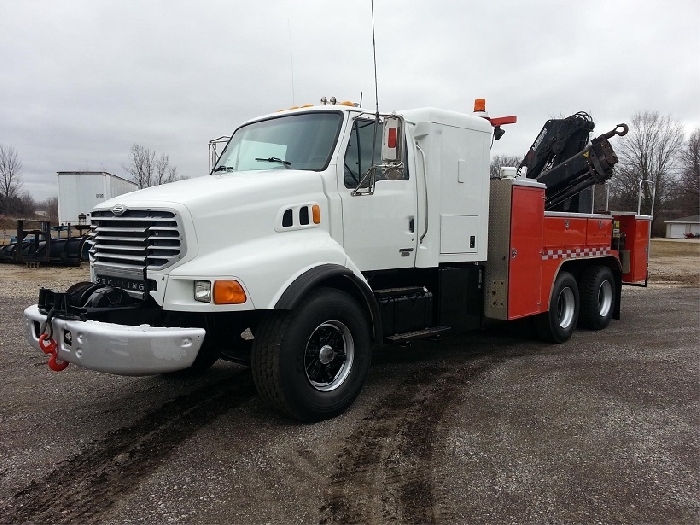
[{"x": 321, "y": 232}]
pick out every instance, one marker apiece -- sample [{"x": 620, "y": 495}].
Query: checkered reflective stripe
[{"x": 577, "y": 252}]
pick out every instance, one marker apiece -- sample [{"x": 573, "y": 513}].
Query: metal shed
[
  {"x": 80, "y": 191},
  {"x": 680, "y": 228}
]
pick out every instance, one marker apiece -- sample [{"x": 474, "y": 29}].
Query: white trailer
[{"x": 80, "y": 191}]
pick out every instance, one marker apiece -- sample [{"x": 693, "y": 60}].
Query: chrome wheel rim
[
  {"x": 566, "y": 307},
  {"x": 605, "y": 298},
  {"x": 329, "y": 354}
]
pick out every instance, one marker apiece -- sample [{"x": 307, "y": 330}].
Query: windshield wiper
[
  {"x": 224, "y": 168},
  {"x": 275, "y": 159}
]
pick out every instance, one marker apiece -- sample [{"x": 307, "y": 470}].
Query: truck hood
[
  {"x": 229, "y": 209},
  {"x": 206, "y": 188},
  {"x": 217, "y": 195}
]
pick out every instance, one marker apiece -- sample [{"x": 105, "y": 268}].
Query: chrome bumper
[{"x": 118, "y": 349}]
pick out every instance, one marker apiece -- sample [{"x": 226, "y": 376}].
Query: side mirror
[{"x": 392, "y": 140}]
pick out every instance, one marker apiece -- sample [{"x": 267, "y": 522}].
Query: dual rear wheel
[
  {"x": 588, "y": 303},
  {"x": 598, "y": 294}
]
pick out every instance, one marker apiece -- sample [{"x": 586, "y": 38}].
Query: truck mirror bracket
[{"x": 369, "y": 179}]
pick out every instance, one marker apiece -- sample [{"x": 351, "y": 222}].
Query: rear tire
[
  {"x": 310, "y": 363},
  {"x": 597, "y": 292},
  {"x": 559, "y": 322}
]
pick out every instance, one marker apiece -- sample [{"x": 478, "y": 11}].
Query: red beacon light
[{"x": 496, "y": 122}]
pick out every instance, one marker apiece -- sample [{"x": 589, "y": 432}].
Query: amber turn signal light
[{"x": 228, "y": 292}]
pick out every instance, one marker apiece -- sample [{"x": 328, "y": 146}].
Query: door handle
[{"x": 411, "y": 224}]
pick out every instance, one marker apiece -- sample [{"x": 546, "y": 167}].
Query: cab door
[{"x": 379, "y": 230}]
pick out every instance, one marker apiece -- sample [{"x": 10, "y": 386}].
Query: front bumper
[{"x": 118, "y": 349}]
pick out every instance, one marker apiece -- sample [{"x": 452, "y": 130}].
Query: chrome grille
[{"x": 135, "y": 240}]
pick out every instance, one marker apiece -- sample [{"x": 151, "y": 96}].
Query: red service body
[{"x": 529, "y": 247}]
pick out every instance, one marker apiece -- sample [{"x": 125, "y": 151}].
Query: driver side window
[{"x": 360, "y": 155}]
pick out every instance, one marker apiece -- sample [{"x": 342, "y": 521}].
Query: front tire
[
  {"x": 310, "y": 363},
  {"x": 559, "y": 322},
  {"x": 597, "y": 291}
]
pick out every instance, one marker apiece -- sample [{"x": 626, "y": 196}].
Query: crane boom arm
[
  {"x": 561, "y": 159},
  {"x": 591, "y": 166}
]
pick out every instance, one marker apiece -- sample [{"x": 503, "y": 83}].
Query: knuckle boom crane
[{"x": 561, "y": 159}]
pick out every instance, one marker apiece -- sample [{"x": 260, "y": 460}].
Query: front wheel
[
  {"x": 310, "y": 363},
  {"x": 557, "y": 324}
]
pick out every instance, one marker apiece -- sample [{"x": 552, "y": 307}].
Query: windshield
[{"x": 303, "y": 142}]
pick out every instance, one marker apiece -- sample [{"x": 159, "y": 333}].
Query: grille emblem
[{"x": 118, "y": 209}]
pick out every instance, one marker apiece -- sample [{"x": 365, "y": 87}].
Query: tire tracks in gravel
[
  {"x": 85, "y": 488},
  {"x": 384, "y": 470}
]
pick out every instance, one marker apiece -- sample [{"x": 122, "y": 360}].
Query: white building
[
  {"x": 680, "y": 228},
  {"x": 80, "y": 191}
]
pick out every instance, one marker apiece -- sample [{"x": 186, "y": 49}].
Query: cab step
[{"x": 433, "y": 331}]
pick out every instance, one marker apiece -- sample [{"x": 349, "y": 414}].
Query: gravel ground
[{"x": 491, "y": 427}]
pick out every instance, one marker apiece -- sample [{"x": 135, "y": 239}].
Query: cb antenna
[
  {"x": 374, "y": 53},
  {"x": 291, "y": 57},
  {"x": 376, "y": 92}
]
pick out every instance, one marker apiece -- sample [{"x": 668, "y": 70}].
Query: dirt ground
[{"x": 489, "y": 427}]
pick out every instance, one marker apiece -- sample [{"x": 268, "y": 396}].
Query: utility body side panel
[
  {"x": 634, "y": 253},
  {"x": 513, "y": 279},
  {"x": 569, "y": 236},
  {"x": 526, "y": 233}
]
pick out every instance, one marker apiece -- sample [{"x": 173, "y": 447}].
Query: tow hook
[
  {"x": 620, "y": 130},
  {"x": 51, "y": 348},
  {"x": 55, "y": 364}
]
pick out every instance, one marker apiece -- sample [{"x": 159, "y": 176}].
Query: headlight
[{"x": 202, "y": 291}]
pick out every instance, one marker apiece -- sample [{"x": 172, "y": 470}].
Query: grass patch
[{"x": 671, "y": 248}]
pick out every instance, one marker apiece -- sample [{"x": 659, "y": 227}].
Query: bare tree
[
  {"x": 147, "y": 169},
  {"x": 503, "y": 161},
  {"x": 27, "y": 204},
  {"x": 51, "y": 207},
  {"x": 10, "y": 175},
  {"x": 688, "y": 189},
  {"x": 648, "y": 156}
]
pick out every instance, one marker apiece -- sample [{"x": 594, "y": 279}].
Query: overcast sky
[{"x": 83, "y": 80}]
